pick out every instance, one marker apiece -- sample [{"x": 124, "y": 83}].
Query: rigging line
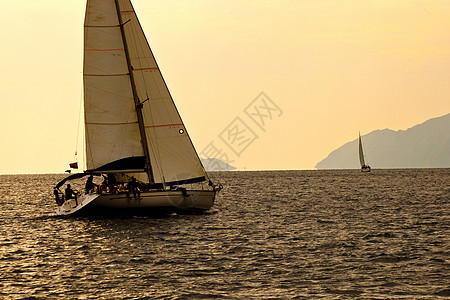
[
  {"x": 83, "y": 144},
  {"x": 79, "y": 121},
  {"x": 81, "y": 114}
]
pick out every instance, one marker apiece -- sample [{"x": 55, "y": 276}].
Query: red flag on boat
[{"x": 74, "y": 165}]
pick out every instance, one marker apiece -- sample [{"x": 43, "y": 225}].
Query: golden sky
[{"x": 331, "y": 67}]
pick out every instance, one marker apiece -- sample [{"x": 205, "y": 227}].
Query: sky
[{"x": 302, "y": 77}]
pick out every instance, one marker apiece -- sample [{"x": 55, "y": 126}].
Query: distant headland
[
  {"x": 426, "y": 145},
  {"x": 215, "y": 164}
]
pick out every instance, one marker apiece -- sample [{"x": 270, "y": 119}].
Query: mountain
[
  {"x": 426, "y": 145},
  {"x": 214, "y": 164}
]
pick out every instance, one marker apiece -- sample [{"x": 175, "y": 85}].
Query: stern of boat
[{"x": 71, "y": 206}]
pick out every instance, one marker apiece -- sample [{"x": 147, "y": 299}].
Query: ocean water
[{"x": 271, "y": 235}]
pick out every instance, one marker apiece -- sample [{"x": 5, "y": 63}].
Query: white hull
[{"x": 153, "y": 201}]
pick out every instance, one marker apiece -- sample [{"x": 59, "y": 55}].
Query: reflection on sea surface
[{"x": 285, "y": 234}]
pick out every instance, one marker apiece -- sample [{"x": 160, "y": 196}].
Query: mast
[{"x": 137, "y": 102}]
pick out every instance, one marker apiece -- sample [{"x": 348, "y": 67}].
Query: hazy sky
[{"x": 331, "y": 68}]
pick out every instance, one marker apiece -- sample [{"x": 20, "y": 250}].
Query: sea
[{"x": 318, "y": 234}]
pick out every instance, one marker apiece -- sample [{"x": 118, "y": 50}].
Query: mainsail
[
  {"x": 131, "y": 121},
  {"x": 361, "y": 154}
]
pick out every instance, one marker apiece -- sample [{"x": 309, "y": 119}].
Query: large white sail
[
  {"x": 112, "y": 129},
  {"x": 361, "y": 154}
]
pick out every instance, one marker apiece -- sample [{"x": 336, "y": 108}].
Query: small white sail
[
  {"x": 112, "y": 126},
  {"x": 361, "y": 154}
]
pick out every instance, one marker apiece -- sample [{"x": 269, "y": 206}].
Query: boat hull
[{"x": 147, "y": 203}]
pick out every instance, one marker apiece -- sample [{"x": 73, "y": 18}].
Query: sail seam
[
  {"x": 143, "y": 69},
  {"x": 95, "y": 123},
  {"x": 163, "y": 125},
  {"x": 103, "y": 50},
  {"x": 100, "y": 26},
  {"x": 124, "y": 74}
]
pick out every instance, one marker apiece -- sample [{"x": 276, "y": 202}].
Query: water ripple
[{"x": 271, "y": 235}]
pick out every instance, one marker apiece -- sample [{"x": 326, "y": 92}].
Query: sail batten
[{"x": 128, "y": 107}]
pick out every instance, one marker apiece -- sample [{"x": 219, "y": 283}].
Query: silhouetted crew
[
  {"x": 133, "y": 187},
  {"x": 69, "y": 193},
  {"x": 59, "y": 201},
  {"x": 89, "y": 184}
]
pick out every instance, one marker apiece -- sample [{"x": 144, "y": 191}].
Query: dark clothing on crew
[
  {"x": 69, "y": 193},
  {"x": 112, "y": 179},
  {"x": 59, "y": 200},
  {"x": 133, "y": 187},
  {"x": 89, "y": 184}
]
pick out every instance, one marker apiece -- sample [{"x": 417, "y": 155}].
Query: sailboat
[
  {"x": 364, "y": 167},
  {"x": 134, "y": 136}
]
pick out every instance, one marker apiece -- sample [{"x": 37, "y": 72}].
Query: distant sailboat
[
  {"x": 134, "y": 133},
  {"x": 364, "y": 167}
]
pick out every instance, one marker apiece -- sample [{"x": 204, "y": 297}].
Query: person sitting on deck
[
  {"x": 112, "y": 183},
  {"x": 59, "y": 200},
  {"x": 90, "y": 185},
  {"x": 69, "y": 193}
]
